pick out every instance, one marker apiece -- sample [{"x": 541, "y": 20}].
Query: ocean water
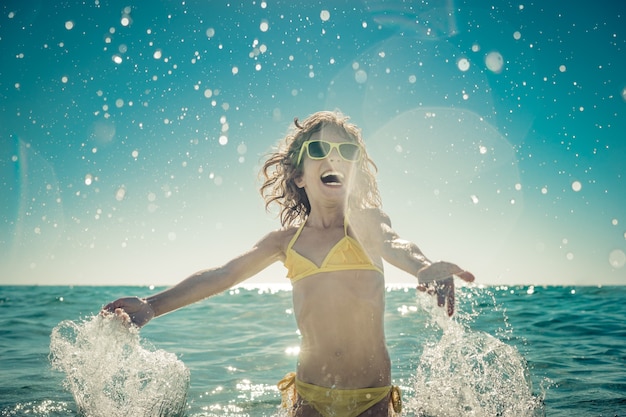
[{"x": 509, "y": 351}]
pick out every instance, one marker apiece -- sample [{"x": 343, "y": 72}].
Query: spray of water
[
  {"x": 111, "y": 372},
  {"x": 470, "y": 373}
]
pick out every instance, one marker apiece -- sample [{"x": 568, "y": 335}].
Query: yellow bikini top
[{"x": 346, "y": 255}]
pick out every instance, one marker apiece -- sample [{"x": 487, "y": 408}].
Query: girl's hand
[
  {"x": 436, "y": 279},
  {"x": 131, "y": 310}
]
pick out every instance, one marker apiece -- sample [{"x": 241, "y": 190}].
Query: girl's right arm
[{"x": 202, "y": 284}]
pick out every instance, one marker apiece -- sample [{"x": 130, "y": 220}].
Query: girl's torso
[{"x": 338, "y": 297}]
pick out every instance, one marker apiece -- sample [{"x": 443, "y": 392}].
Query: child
[{"x": 333, "y": 242}]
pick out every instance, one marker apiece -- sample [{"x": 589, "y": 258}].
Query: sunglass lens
[
  {"x": 350, "y": 151},
  {"x": 318, "y": 149}
]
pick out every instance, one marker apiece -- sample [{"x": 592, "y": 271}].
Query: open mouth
[{"x": 332, "y": 178}]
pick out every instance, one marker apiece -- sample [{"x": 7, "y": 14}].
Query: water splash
[
  {"x": 471, "y": 373},
  {"x": 111, "y": 372}
]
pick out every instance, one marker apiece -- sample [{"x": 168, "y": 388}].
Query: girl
[{"x": 333, "y": 241}]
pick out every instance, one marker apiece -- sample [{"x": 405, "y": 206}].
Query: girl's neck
[{"x": 327, "y": 218}]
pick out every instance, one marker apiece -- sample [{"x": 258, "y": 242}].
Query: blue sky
[{"x": 131, "y": 135}]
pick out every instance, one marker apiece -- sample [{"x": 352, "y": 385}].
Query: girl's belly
[{"x": 345, "y": 367}]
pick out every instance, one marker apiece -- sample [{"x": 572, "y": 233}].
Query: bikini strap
[{"x": 295, "y": 237}]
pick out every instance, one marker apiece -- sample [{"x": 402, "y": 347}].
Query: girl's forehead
[{"x": 332, "y": 133}]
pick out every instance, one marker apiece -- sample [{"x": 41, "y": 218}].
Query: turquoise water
[{"x": 511, "y": 351}]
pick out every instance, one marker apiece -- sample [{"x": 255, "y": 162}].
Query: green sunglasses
[{"x": 320, "y": 149}]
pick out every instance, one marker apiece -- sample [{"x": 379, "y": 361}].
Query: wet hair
[{"x": 280, "y": 170}]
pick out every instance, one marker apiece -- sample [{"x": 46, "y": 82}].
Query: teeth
[
  {"x": 333, "y": 173},
  {"x": 332, "y": 177}
]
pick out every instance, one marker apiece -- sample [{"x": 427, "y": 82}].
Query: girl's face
[{"x": 328, "y": 168}]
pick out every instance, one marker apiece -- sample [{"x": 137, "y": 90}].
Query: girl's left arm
[{"x": 433, "y": 277}]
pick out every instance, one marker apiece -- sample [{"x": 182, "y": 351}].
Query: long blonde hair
[{"x": 281, "y": 170}]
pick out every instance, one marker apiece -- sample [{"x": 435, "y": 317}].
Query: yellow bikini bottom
[{"x": 336, "y": 402}]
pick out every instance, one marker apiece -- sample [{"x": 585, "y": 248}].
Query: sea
[{"x": 508, "y": 351}]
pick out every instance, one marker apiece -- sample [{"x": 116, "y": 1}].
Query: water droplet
[
  {"x": 617, "y": 258},
  {"x": 463, "y": 64},
  {"x": 360, "y": 76},
  {"x": 120, "y": 194},
  {"x": 494, "y": 62}
]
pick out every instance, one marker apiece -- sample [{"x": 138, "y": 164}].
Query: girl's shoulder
[
  {"x": 275, "y": 243},
  {"x": 370, "y": 217},
  {"x": 281, "y": 237},
  {"x": 370, "y": 224}
]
